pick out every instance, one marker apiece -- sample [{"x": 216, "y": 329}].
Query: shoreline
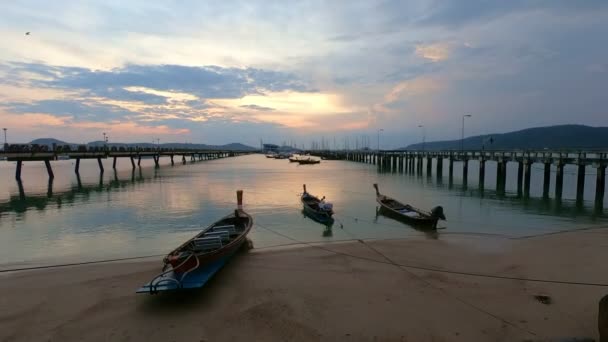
[{"x": 346, "y": 290}]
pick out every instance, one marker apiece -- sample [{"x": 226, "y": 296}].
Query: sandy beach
[{"x": 352, "y": 291}]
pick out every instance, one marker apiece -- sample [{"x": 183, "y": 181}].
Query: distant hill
[
  {"x": 229, "y": 147},
  {"x": 551, "y": 137},
  {"x": 49, "y": 142}
]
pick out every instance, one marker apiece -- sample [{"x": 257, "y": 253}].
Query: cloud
[
  {"x": 256, "y": 107},
  {"x": 204, "y": 81},
  {"x": 434, "y": 52},
  {"x": 77, "y": 109},
  {"x": 321, "y": 66},
  {"x": 415, "y": 87},
  {"x": 455, "y": 13}
]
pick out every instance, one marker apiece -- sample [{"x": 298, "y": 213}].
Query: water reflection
[
  {"x": 150, "y": 210},
  {"x": 430, "y": 233},
  {"x": 79, "y": 193},
  {"x": 328, "y": 224}
]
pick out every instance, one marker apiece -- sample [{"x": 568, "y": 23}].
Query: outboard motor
[{"x": 438, "y": 212}]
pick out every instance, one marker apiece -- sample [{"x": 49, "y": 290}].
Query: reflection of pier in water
[{"x": 80, "y": 192}]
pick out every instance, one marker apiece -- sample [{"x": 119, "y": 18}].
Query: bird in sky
[{"x": 27, "y": 33}]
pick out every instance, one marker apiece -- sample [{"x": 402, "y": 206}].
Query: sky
[{"x": 299, "y": 71}]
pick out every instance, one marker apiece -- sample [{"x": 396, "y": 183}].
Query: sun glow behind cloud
[{"x": 320, "y": 67}]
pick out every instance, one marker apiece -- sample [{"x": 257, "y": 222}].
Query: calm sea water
[{"x": 151, "y": 210}]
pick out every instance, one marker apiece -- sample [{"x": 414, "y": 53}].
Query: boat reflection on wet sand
[{"x": 430, "y": 233}]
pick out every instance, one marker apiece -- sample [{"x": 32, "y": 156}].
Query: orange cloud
[
  {"x": 434, "y": 52},
  {"x": 417, "y": 86},
  {"x": 49, "y": 125}
]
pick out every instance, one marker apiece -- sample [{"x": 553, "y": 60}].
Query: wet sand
[{"x": 347, "y": 291}]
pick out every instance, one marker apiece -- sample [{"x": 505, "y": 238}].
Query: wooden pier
[
  {"x": 413, "y": 161},
  {"x": 134, "y": 155}
]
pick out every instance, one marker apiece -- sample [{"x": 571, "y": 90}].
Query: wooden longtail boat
[
  {"x": 409, "y": 214},
  {"x": 308, "y": 161},
  {"x": 316, "y": 208},
  {"x": 193, "y": 263}
]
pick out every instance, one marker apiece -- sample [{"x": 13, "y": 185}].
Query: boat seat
[
  {"x": 230, "y": 228},
  {"x": 224, "y": 235},
  {"x": 207, "y": 243}
]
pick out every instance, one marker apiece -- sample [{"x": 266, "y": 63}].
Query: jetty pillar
[
  {"x": 559, "y": 179},
  {"x": 183, "y": 159},
  {"x": 580, "y": 183},
  {"x": 482, "y": 173},
  {"x": 156, "y": 158},
  {"x": 465, "y": 171},
  {"x": 132, "y": 162},
  {"x": 527, "y": 174},
  {"x": 451, "y": 168},
  {"x": 18, "y": 170},
  {"x": 546, "y": 179},
  {"x": 77, "y": 167},
  {"x": 49, "y": 169},
  {"x": 172, "y": 162},
  {"x": 501, "y": 176},
  {"x": 520, "y": 178},
  {"x": 439, "y": 166},
  {"x": 114, "y": 164},
  {"x": 429, "y": 165},
  {"x": 600, "y": 185},
  {"x": 100, "y": 165},
  {"x": 139, "y": 161}
]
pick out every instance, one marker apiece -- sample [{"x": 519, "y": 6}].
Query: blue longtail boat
[{"x": 192, "y": 264}]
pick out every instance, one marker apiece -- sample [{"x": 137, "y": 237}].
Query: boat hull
[
  {"x": 315, "y": 213},
  {"x": 173, "y": 281},
  {"x": 186, "y": 269},
  {"x": 421, "y": 223},
  {"x": 321, "y": 217}
]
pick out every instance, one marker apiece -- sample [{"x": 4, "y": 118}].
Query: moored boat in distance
[
  {"x": 316, "y": 208},
  {"x": 193, "y": 263},
  {"x": 309, "y": 160},
  {"x": 409, "y": 214},
  {"x": 282, "y": 155}
]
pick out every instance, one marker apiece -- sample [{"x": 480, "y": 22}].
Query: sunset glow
[{"x": 111, "y": 66}]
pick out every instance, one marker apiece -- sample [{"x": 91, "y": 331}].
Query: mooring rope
[{"x": 438, "y": 270}]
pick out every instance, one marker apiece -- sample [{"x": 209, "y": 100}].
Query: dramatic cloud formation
[{"x": 301, "y": 70}]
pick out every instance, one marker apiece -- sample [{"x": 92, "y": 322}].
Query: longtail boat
[
  {"x": 409, "y": 214},
  {"x": 308, "y": 160},
  {"x": 316, "y": 208},
  {"x": 192, "y": 264}
]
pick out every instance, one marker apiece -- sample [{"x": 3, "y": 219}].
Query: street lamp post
[
  {"x": 4, "y": 129},
  {"x": 423, "y": 136},
  {"x": 380, "y": 130},
  {"x": 462, "y": 132}
]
